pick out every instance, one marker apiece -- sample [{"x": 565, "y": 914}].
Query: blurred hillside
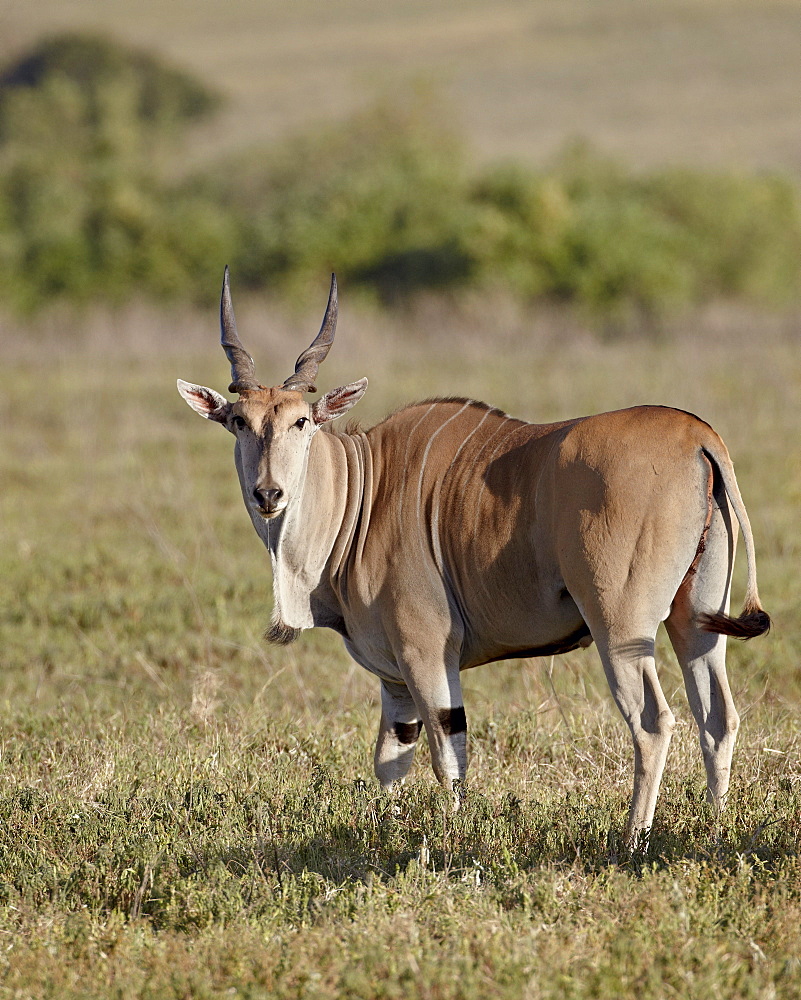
[
  {"x": 711, "y": 83},
  {"x": 93, "y": 207}
]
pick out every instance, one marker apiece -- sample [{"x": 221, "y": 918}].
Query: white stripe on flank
[
  {"x": 459, "y": 449},
  {"x": 505, "y": 437},
  {"x": 406, "y": 462},
  {"x": 437, "y": 542},
  {"x": 441, "y": 427},
  {"x": 492, "y": 455}
]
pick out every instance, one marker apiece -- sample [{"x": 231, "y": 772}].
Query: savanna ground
[{"x": 188, "y": 812}]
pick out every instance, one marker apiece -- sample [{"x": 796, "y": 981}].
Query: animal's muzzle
[{"x": 270, "y": 501}]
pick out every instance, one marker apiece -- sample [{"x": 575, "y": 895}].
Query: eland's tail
[{"x": 753, "y": 620}]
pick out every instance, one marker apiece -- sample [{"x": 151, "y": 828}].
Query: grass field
[
  {"x": 700, "y": 82},
  {"x": 188, "y": 812}
]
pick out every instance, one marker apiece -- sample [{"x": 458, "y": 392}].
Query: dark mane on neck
[{"x": 356, "y": 427}]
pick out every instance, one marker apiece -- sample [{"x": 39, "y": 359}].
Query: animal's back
[{"x": 493, "y": 508}]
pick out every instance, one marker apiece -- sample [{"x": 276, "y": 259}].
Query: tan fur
[{"x": 451, "y": 535}]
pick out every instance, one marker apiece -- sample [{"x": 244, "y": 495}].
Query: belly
[
  {"x": 541, "y": 628},
  {"x": 379, "y": 662}
]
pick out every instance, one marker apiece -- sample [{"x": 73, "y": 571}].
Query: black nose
[{"x": 268, "y": 498}]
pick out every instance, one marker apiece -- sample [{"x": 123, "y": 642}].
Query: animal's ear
[
  {"x": 206, "y": 402},
  {"x": 338, "y": 401}
]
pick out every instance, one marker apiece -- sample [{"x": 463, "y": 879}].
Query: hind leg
[
  {"x": 703, "y": 662},
  {"x": 623, "y": 617},
  {"x": 631, "y": 673},
  {"x": 702, "y": 655}
]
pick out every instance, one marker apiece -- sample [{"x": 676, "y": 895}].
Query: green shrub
[
  {"x": 742, "y": 233},
  {"x": 381, "y": 199},
  {"x": 97, "y": 67},
  {"x": 85, "y": 125},
  {"x": 387, "y": 198},
  {"x": 587, "y": 231}
]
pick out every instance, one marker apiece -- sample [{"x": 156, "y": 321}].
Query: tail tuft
[{"x": 752, "y": 622}]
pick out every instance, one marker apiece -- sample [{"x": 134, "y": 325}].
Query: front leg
[
  {"x": 397, "y": 734},
  {"x": 426, "y": 641},
  {"x": 437, "y": 691},
  {"x": 447, "y": 738}
]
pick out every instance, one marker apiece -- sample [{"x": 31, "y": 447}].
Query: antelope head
[{"x": 273, "y": 426}]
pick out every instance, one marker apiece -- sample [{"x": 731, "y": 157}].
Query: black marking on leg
[
  {"x": 453, "y": 720},
  {"x": 407, "y": 732}
]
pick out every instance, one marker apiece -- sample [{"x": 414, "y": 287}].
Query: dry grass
[
  {"x": 187, "y": 812},
  {"x": 705, "y": 82}
]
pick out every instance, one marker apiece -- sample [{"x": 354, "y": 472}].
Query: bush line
[{"x": 90, "y": 209}]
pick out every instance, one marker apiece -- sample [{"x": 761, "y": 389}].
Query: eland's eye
[
  {"x": 301, "y": 422},
  {"x": 239, "y": 423}
]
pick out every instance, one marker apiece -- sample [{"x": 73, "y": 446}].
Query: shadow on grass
[
  {"x": 194, "y": 857},
  {"x": 390, "y": 836}
]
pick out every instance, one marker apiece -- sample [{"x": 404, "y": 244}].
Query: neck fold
[{"x": 311, "y": 543}]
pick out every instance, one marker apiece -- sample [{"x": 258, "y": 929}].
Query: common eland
[{"x": 452, "y": 535}]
